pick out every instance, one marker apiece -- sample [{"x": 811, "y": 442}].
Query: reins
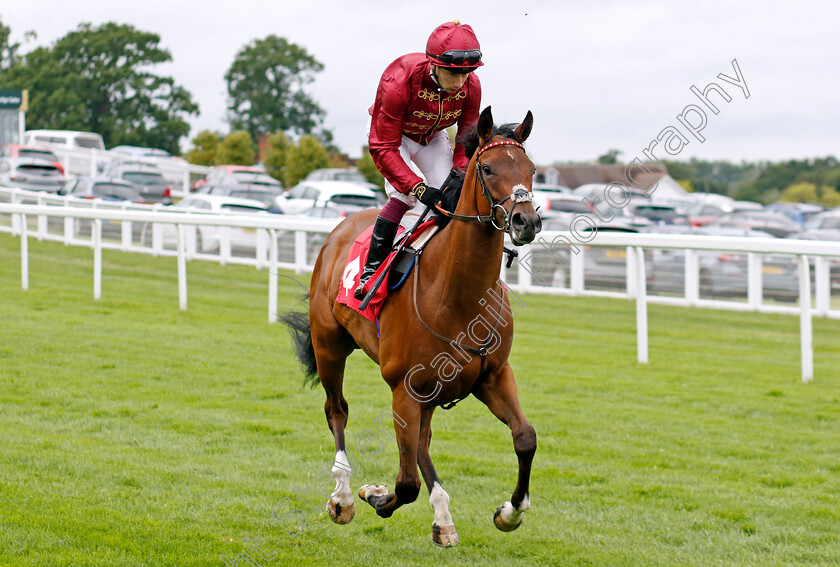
[
  {"x": 479, "y": 351},
  {"x": 518, "y": 196}
]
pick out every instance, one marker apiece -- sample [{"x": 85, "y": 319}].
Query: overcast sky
[{"x": 597, "y": 74}]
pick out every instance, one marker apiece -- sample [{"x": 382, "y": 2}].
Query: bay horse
[{"x": 427, "y": 345}]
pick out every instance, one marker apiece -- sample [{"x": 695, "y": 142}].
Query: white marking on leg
[
  {"x": 512, "y": 516},
  {"x": 342, "y": 494},
  {"x": 439, "y": 499}
]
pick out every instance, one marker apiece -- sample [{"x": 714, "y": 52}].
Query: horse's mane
[{"x": 470, "y": 138}]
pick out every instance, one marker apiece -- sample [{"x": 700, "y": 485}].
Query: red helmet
[{"x": 454, "y": 47}]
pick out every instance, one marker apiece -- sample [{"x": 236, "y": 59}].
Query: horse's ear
[
  {"x": 485, "y": 125},
  {"x": 524, "y": 129}
]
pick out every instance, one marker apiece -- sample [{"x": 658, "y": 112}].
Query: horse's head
[{"x": 505, "y": 174}]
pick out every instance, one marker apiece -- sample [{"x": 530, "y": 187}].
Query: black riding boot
[{"x": 380, "y": 246}]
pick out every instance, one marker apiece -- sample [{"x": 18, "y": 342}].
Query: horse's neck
[{"x": 473, "y": 253}]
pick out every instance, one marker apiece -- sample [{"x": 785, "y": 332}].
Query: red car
[{"x": 36, "y": 152}]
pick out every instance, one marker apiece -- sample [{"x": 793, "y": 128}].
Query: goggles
[{"x": 459, "y": 58}]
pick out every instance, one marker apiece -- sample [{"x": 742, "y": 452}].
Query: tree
[
  {"x": 275, "y": 155},
  {"x": 308, "y": 155},
  {"x": 237, "y": 148},
  {"x": 204, "y": 148},
  {"x": 99, "y": 79},
  {"x": 611, "y": 157},
  {"x": 370, "y": 171},
  {"x": 265, "y": 88}
]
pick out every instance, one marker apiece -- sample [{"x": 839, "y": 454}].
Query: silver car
[
  {"x": 31, "y": 174},
  {"x": 145, "y": 177}
]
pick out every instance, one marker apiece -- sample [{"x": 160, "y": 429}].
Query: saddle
[{"x": 397, "y": 266}]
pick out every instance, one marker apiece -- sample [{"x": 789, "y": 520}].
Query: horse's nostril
[
  {"x": 517, "y": 222},
  {"x": 538, "y": 225}
]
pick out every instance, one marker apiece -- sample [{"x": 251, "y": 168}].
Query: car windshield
[
  {"x": 360, "y": 200},
  {"x": 247, "y": 209},
  {"x": 660, "y": 213},
  {"x": 39, "y": 169},
  {"x": 253, "y": 177},
  {"x": 91, "y": 143},
  {"x": 144, "y": 178},
  {"x": 255, "y": 194},
  {"x": 354, "y": 176}
]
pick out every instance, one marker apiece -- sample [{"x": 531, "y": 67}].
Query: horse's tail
[{"x": 301, "y": 333}]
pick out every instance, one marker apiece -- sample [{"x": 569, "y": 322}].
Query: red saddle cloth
[{"x": 353, "y": 269}]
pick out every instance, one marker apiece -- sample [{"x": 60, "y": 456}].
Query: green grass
[{"x": 135, "y": 434}]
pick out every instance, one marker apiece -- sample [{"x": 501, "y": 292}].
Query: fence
[
  {"x": 634, "y": 261},
  {"x": 83, "y": 161}
]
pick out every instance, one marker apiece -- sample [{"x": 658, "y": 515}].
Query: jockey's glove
[
  {"x": 429, "y": 196},
  {"x": 455, "y": 180}
]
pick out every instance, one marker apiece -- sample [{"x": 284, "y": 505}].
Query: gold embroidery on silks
[
  {"x": 452, "y": 114},
  {"x": 424, "y": 94},
  {"x": 424, "y": 115},
  {"x": 457, "y": 96},
  {"x": 416, "y": 125}
]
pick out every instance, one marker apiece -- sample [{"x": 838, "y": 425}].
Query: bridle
[{"x": 518, "y": 196}]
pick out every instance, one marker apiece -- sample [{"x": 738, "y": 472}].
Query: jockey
[{"x": 419, "y": 96}]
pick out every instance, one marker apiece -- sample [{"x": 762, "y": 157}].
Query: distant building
[{"x": 13, "y": 106}]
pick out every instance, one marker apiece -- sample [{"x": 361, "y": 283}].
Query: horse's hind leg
[
  {"x": 443, "y": 528},
  {"x": 332, "y": 347},
  {"x": 499, "y": 393}
]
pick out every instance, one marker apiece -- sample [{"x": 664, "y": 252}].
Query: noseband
[{"x": 520, "y": 195}]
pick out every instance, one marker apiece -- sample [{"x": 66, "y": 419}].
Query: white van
[
  {"x": 66, "y": 138},
  {"x": 79, "y": 152}
]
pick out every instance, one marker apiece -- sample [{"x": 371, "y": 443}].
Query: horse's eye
[{"x": 486, "y": 169}]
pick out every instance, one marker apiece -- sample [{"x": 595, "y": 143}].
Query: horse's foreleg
[
  {"x": 408, "y": 480},
  {"x": 499, "y": 393},
  {"x": 443, "y": 528}
]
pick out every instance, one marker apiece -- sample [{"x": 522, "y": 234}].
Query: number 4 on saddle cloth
[{"x": 398, "y": 268}]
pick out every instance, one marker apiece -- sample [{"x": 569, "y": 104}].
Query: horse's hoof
[
  {"x": 370, "y": 490},
  {"x": 499, "y": 521},
  {"x": 444, "y": 536},
  {"x": 341, "y": 514}
]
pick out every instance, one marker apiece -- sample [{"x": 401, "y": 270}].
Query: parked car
[
  {"x": 797, "y": 212},
  {"x": 314, "y": 240},
  {"x": 705, "y": 211},
  {"x": 237, "y": 175},
  {"x": 657, "y": 213},
  {"x": 349, "y": 175},
  {"x": 722, "y": 274},
  {"x": 36, "y": 152},
  {"x": 102, "y": 188},
  {"x": 315, "y": 193},
  {"x": 776, "y": 224},
  {"x": 562, "y": 203},
  {"x": 267, "y": 194},
  {"x": 541, "y": 193},
  {"x": 823, "y": 221},
  {"x": 32, "y": 174},
  {"x": 138, "y": 151},
  {"x": 209, "y": 238},
  {"x": 604, "y": 268},
  {"x": 147, "y": 178}
]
